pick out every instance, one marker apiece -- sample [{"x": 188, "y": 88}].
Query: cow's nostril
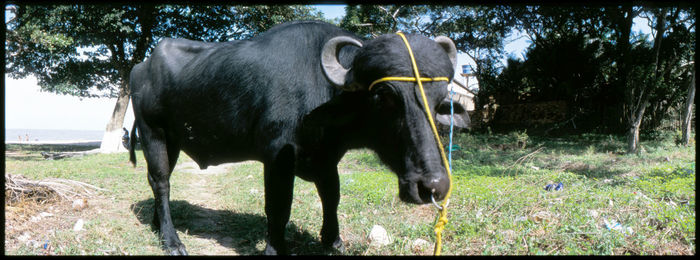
[{"x": 438, "y": 188}]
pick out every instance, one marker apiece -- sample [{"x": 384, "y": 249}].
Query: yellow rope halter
[{"x": 442, "y": 220}]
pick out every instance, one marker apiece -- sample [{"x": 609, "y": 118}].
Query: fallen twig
[
  {"x": 525, "y": 158},
  {"x": 18, "y": 185},
  {"x": 61, "y": 155}
]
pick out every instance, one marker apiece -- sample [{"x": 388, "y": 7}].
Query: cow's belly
[
  {"x": 209, "y": 145},
  {"x": 215, "y": 155}
]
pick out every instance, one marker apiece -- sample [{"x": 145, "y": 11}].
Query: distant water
[{"x": 52, "y": 134}]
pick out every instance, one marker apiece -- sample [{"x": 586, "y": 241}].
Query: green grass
[{"x": 498, "y": 206}]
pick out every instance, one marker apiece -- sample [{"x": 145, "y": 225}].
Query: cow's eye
[{"x": 386, "y": 100}]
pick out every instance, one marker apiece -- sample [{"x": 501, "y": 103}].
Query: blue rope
[{"x": 449, "y": 155}]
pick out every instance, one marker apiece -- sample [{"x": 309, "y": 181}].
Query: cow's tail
[{"x": 132, "y": 145}]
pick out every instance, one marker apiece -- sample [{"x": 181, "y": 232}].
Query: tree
[
  {"x": 688, "y": 111},
  {"x": 89, "y": 50},
  {"x": 478, "y": 31},
  {"x": 589, "y": 56},
  {"x": 644, "y": 81},
  {"x": 370, "y": 21}
]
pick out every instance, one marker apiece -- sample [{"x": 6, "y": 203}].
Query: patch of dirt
[
  {"x": 33, "y": 223},
  {"x": 192, "y": 167},
  {"x": 202, "y": 192}
]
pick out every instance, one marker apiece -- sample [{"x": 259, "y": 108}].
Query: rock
[
  {"x": 541, "y": 216},
  {"x": 593, "y": 213},
  {"x": 421, "y": 246},
  {"x": 24, "y": 237},
  {"x": 41, "y": 215},
  {"x": 520, "y": 219},
  {"x": 479, "y": 214},
  {"x": 80, "y": 204},
  {"x": 509, "y": 236},
  {"x": 33, "y": 243},
  {"x": 78, "y": 225},
  {"x": 378, "y": 236}
]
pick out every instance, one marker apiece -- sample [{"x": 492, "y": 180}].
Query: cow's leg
[
  {"x": 279, "y": 186},
  {"x": 158, "y": 157},
  {"x": 173, "y": 154},
  {"x": 328, "y": 187}
]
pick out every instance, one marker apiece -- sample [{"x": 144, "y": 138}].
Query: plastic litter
[
  {"x": 454, "y": 147},
  {"x": 614, "y": 225},
  {"x": 558, "y": 186},
  {"x": 78, "y": 225}
]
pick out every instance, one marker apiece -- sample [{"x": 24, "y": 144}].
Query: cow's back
[{"x": 238, "y": 100}]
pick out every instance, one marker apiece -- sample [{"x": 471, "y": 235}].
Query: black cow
[{"x": 296, "y": 99}]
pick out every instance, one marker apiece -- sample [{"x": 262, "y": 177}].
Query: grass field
[{"x": 498, "y": 207}]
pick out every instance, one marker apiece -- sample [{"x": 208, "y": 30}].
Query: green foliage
[
  {"x": 370, "y": 21},
  {"x": 89, "y": 50},
  {"x": 479, "y": 31},
  {"x": 577, "y": 55}
]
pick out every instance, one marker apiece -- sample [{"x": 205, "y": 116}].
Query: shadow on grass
[
  {"x": 32, "y": 152},
  {"x": 24, "y": 158},
  {"x": 238, "y": 231},
  {"x": 491, "y": 162},
  {"x": 49, "y": 147}
]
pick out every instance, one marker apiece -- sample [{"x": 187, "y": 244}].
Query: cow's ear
[
  {"x": 444, "y": 107},
  {"x": 339, "y": 111},
  {"x": 449, "y": 46},
  {"x": 460, "y": 116}
]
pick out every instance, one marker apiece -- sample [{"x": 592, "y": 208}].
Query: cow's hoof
[
  {"x": 269, "y": 250},
  {"x": 178, "y": 250},
  {"x": 337, "y": 245}
]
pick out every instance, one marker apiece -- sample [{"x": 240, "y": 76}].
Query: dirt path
[{"x": 201, "y": 192}]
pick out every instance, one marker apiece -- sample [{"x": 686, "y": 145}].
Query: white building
[{"x": 462, "y": 94}]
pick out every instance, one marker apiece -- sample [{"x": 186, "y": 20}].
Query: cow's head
[{"x": 390, "y": 116}]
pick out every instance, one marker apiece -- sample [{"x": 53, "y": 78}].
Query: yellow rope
[
  {"x": 406, "y": 79},
  {"x": 442, "y": 220}
]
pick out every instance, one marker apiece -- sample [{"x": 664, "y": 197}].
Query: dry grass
[
  {"x": 34, "y": 207},
  {"x": 499, "y": 205},
  {"x": 18, "y": 188}
]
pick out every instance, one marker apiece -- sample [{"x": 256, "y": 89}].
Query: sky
[{"x": 26, "y": 107}]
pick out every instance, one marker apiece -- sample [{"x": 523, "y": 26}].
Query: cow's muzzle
[{"x": 425, "y": 190}]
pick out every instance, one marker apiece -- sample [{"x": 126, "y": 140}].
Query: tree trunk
[
  {"x": 624, "y": 26},
  {"x": 112, "y": 139},
  {"x": 688, "y": 112},
  {"x": 633, "y": 131},
  {"x": 638, "y": 110}
]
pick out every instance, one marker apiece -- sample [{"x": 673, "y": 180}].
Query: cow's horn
[
  {"x": 329, "y": 60},
  {"x": 449, "y": 47}
]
